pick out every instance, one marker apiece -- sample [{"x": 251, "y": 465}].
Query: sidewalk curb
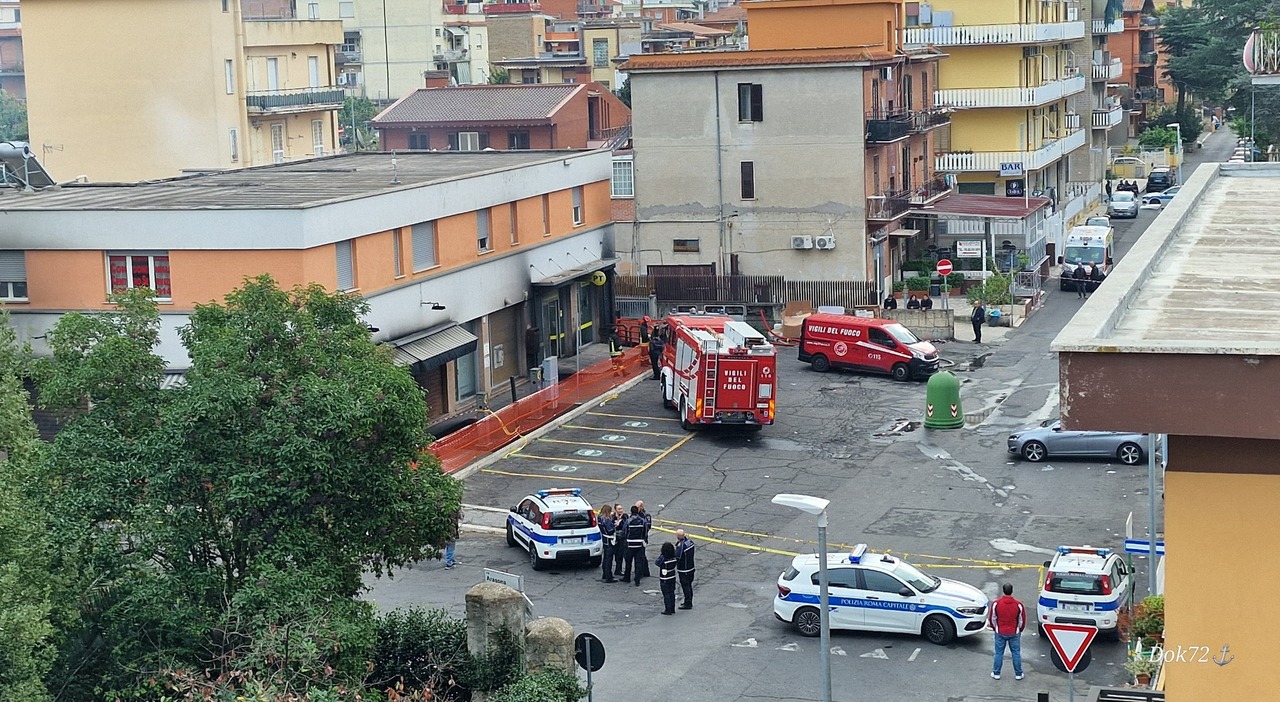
[{"x": 471, "y": 468}]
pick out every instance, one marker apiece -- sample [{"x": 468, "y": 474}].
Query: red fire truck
[{"x": 718, "y": 371}]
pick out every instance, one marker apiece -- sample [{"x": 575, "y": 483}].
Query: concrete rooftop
[{"x": 1203, "y": 279}]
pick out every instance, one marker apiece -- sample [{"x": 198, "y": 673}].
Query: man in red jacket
[{"x": 1007, "y": 619}]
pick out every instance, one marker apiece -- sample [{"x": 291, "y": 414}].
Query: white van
[{"x": 1085, "y": 245}]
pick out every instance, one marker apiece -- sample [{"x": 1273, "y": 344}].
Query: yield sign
[{"x": 1070, "y": 641}]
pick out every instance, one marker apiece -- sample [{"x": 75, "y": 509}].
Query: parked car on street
[
  {"x": 1123, "y": 204},
  {"x": 1049, "y": 439},
  {"x": 555, "y": 525},
  {"x": 1098, "y": 221},
  {"x": 1161, "y": 198},
  {"x": 1160, "y": 179}
]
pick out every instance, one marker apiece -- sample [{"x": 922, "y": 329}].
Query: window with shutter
[
  {"x": 748, "y": 180},
  {"x": 346, "y": 266},
  {"x": 140, "y": 271},
  {"x": 750, "y": 102},
  {"x": 482, "y": 230},
  {"x": 424, "y": 246},
  {"x": 13, "y": 275},
  {"x": 577, "y": 206}
]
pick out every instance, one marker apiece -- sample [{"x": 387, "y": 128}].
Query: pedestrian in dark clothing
[
  {"x": 891, "y": 302},
  {"x": 926, "y": 302},
  {"x": 685, "y": 567},
  {"x": 913, "y": 303},
  {"x": 656, "y": 345},
  {"x": 1108, "y": 190},
  {"x": 1096, "y": 278},
  {"x": 1008, "y": 617},
  {"x": 609, "y": 540},
  {"x": 648, "y": 526},
  {"x": 666, "y": 563},
  {"x": 1088, "y": 275},
  {"x": 635, "y": 548},
  {"x": 620, "y": 539},
  {"x": 645, "y": 326},
  {"x": 1079, "y": 276},
  {"x": 978, "y": 316},
  {"x": 532, "y": 346}
]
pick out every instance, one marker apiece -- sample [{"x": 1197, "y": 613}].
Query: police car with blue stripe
[
  {"x": 1084, "y": 585},
  {"x": 878, "y": 592},
  {"x": 555, "y": 525}
]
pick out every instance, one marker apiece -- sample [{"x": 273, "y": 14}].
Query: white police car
[
  {"x": 555, "y": 525},
  {"x": 877, "y": 592},
  {"x": 1084, "y": 585}
]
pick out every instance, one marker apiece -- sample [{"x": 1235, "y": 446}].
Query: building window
[
  {"x": 317, "y": 136},
  {"x": 346, "y": 9},
  {"x": 229, "y": 69},
  {"x": 482, "y": 231},
  {"x": 140, "y": 271},
  {"x": 577, "y": 206},
  {"x": 313, "y": 71},
  {"x": 600, "y": 53},
  {"x": 313, "y": 10},
  {"x": 233, "y": 136},
  {"x": 277, "y": 143},
  {"x": 397, "y": 257},
  {"x": 468, "y": 141},
  {"x": 685, "y": 246},
  {"x": 517, "y": 140},
  {"x": 424, "y": 246},
  {"x": 748, "y": 180},
  {"x": 13, "y": 275},
  {"x": 515, "y": 223},
  {"x": 546, "y": 215},
  {"x": 226, "y": 5},
  {"x": 346, "y": 265},
  {"x": 419, "y": 141},
  {"x": 350, "y": 43},
  {"x": 750, "y": 102},
  {"x": 273, "y": 74},
  {"x": 623, "y": 183}
]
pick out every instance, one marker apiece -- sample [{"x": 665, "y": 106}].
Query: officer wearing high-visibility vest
[
  {"x": 666, "y": 563},
  {"x": 609, "y": 539},
  {"x": 635, "y": 547},
  {"x": 685, "y": 567}
]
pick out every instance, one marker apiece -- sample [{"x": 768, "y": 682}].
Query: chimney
[{"x": 436, "y": 79}]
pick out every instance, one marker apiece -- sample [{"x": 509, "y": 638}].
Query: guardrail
[
  {"x": 297, "y": 98},
  {"x": 1011, "y": 97}
]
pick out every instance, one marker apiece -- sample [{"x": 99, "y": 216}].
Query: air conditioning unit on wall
[
  {"x": 802, "y": 242},
  {"x": 825, "y": 243}
]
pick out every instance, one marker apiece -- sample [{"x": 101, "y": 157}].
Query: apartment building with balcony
[
  {"x": 535, "y": 48},
  {"x": 729, "y": 172},
  {"x": 262, "y": 89},
  {"x": 456, "y": 253},
  {"x": 12, "y": 72},
  {"x": 388, "y": 44},
  {"x": 609, "y": 43},
  {"x": 1138, "y": 51}
]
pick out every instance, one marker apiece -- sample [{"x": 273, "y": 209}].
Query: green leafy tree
[
  {"x": 1158, "y": 136},
  {"x": 231, "y": 518},
  {"x": 13, "y": 118},
  {"x": 499, "y": 76},
  {"x": 1189, "y": 120},
  {"x": 358, "y": 112},
  {"x": 624, "y": 92}
]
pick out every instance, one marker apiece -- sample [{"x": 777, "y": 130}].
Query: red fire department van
[
  {"x": 716, "y": 370},
  {"x": 865, "y": 343}
]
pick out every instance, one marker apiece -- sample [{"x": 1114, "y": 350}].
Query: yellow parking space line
[
  {"x": 657, "y": 458},
  {"x": 722, "y": 542},
  {"x": 611, "y": 446},
  {"x": 561, "y": 477},
  {"x": 623, "y": 431},
  {"x": 577, "y": 460},
  {"x": 632, "y": 416}
]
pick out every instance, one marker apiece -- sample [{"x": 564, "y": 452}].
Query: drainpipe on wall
[{"x": 724, "y": 248}]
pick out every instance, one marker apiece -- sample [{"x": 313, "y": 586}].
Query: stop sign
[{"x": 944, "y": 267}]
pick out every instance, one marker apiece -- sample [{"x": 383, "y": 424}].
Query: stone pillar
[
  {"x": 548, "y": 645},
  {"x": 491, "y": 608}
]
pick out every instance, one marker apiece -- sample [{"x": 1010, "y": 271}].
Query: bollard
[{"x": 942, "y": 402}]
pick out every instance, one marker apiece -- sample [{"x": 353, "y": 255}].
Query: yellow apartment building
[
  {"x": 456, "y": 253},
  {"x": 261, "y": 89}
]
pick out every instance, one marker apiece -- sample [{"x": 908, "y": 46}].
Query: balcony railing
[
  {"x": 1010, "y": 97},
  {"x": 882, "y": 128},
  {"x": 889, "y": 206},
  {"x": 981, "y": 34},
  {"x": 1071, "y": 120},
  {"x": 925, "y": 120},
  {"x": 1148, "y": 22},
  {"x": 1108, "y": 70},
  {"x": 353, "y": 56},
  {"x": 1108, "y": 118},
  {"x": 297, "y": 100},
  {"x": 1147, "y": 58},
  {"x": 981, "y": 161},
  {"x": 451, "y": 55},
  {"x": 1262, "y": 54},
  {"x": 930, "y": 191},
  {"x": 1100, "y": 26}
]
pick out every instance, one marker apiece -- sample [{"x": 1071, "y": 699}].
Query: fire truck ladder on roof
[{"x": 709, "y": 378}]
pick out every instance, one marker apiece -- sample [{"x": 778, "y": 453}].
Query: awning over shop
[
  {"x": 571, "y": 274},
  {"x": 904, "y": 233},
  {"x": 434, "y": 347}
]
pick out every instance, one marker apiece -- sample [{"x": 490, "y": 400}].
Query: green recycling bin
[{"x": 942, "y": 402}]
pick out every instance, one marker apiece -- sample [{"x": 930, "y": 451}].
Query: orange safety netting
[{"x": 497, "y": 429}]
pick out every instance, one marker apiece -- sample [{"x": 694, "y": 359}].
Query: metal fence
[{"x": 745, "y": 290}]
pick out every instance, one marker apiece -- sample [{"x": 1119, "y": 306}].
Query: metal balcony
[
  {"x": 451, "y": 56},
  {"x": 1108, "y": 118},
  {"x": 930, "y": 191},
  {"x": 296, "y": 100},
  {"x": 1147, "y": 58},
  {"x": 925, "y": 120},
  {"x": 1011, "y": 97},
  {"x": 1100, "y": 26},
  {"x": 889, "y": 206},
  {"x": 983, "y": 161},
  {"x": 1262, "y": 56},
  {"x": 883, "y": 128},
  {"x": 353, "y": 56},
  {"x": 1108, "y": 70},
  {"x": 984, "y": 34}
]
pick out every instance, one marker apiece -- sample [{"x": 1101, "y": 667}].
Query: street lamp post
[
  {"x": 1178, "y": 127},
  {"x": 818, "y": 507}
]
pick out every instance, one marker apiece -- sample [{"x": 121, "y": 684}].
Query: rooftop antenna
[{"x": 395, "y": 173}]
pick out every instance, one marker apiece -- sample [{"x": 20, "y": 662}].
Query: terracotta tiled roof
[
  {"x": 779, "y": 57},
  {"x": 693, "y": 29},
  {"x": 987, "y": 205},
  {"x": 732, "y": 13},
  {"x": 479, "y": 103},
  {"x": 1134, "y": 5}
]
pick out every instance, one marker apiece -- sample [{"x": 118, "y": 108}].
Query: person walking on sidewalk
[
  {"x": 685, "y": 567},
  {"x": 609, "y": 540},
  {"x": 666, "y": 563},
  {"x": 1007, "y": 619},
  {"x": 656, "y": 345},
  {"x": 978, "y": 316}
]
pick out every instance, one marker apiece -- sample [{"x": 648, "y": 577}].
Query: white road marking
[
  {"x": 837, "y": 651},
  {"x": 913, "y": 655},
  {"x": 1011, "y": 546},
  {"x": 878, "y": 653},
  {"x": 749, "y": 643}
]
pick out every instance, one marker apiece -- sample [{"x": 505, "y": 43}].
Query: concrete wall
[
  {"x": 679, "y": 186},
  {"x": 513, "y": 37},
  {"x": 926, "y": 324},
  {"x": 839, "y": 23}
]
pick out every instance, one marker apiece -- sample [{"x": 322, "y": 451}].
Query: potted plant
[
  {"x": 918, "y": 284},
  {"x": 1148, "y": 620},
  {"x": 1142, "y": 666},
  {"x": 898, "y": 287},
  {"x": 955, "y": 281}
]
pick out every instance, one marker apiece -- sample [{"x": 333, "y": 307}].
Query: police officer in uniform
[
  {"x": 609, "y": 537},
  {"x": 685, "y": 567},
  {"x": 648, "y": 526},
  {"x": 619, "y": 539},
  {"x": 666, "y": 563},
  {"x": 635, "y": 547}
]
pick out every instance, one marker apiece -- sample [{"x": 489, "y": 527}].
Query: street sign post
[
  {"x": 1071, "y": 643},
  {"x": 1143, "y": 546},
  {"x": 589, "y": 652},
  {"x": 969, "y": 249},
  {"x": 944, "y": 270},
  {"x": 944, "y": 267}
]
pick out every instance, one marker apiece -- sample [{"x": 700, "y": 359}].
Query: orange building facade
[{"x": 456, "y": 254}]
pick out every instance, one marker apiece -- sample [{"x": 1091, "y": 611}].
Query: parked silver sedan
[{"x": 1050, "y": 439}]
